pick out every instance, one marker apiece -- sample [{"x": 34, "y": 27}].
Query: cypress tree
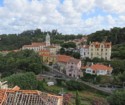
[{"x": 78, "y": 100}]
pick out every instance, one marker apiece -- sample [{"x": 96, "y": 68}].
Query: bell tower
[{"x": 47, "y": 40}]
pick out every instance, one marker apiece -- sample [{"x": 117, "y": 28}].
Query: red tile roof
[
  {"x": 84, "y": 67},
  {"x": 100, "y": 67},
  {"x": 63, "y": 58},
  {"x": 73, "y": 60},
  {"x": 35, "y": 44},
  {"x": 86, "y": 46},
  {"x": 38, "y": 43},
  {"x": 7, "y": 97},
  {"x": 97, "y": 44}
]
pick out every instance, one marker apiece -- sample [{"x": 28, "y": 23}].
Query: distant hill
[{"x": 14, "y": 41}]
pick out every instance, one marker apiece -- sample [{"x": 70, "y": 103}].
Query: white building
[
  {"x": 38, "y": 46},
  {"x": 84, "y": 51},
  {"x": 99, "y": 69}
]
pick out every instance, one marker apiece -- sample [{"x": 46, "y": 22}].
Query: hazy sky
[{"x": 68, "y": 16}]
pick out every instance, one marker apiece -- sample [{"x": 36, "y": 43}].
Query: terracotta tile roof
[
  {"x": 86, "y": 46},
  {"x": 28, "y": 97},
  {"x": 35, "y": 44},
  {"x": 73, "y": 60},
  {"x": 84, "y": 67},
  {"x": 100, "y": 67},
  {"x": 107, "y": 45},
  {"x": 63, "y": 58},
  {"x": 38, "y": 43},
  {"x": 97, "y": 44}
]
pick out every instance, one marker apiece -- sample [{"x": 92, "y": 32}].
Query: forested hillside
[
  {"x": 115, "y": 35},
  {"x": 16, "y": 41}
]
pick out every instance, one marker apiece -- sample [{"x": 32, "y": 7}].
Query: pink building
[{"x": 73, "y": 68}]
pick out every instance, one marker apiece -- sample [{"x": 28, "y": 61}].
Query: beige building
[
  {"x": 100, "y": 50},
  {"x": 52, "y": 49},
  {"x": 36, "y": 46}
]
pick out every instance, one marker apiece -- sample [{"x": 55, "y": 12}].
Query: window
[
  {"x": 70, "y": 75},
  {"x": 101, "y": 49},
  {"x": 101, "y": 46},
  {"x": 105, "y": 58},
  {"x": 89, "y": 71}
]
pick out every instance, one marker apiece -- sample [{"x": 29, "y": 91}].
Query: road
[{"x": 54, "y": 72}]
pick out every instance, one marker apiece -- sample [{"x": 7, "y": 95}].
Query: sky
[{"x": 67, "y": 16}]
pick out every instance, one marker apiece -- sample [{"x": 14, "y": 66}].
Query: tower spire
[{"x": 47, "y": 40}]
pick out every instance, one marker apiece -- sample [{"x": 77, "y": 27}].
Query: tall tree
[{"x": 78, "y": 100}]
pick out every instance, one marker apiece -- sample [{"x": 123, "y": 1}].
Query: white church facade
[{"x": 38, "y": 46}]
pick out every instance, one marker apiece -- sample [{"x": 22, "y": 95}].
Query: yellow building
[
  {"x": 52, "y": 49},
  {"x": 44, "y": 52},
  {"x": 100, "y": 50},
  {"x": 48, "y": 58}
]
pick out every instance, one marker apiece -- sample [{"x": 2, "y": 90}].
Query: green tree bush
[{"x": 117, "y": 98}]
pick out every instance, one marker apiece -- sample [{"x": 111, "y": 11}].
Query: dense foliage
[
  {"x": 23, "y": 80},
  {"x": 22, "y": 61},
  {"x": 69, "y": 45},
  {"x": 16, "y": 41},
  {"x": 117, "y": 98},
  {"x": 115, "y": 35},
  {"x": 118, "y": 51},
  {"x": 70, "y": 53}
]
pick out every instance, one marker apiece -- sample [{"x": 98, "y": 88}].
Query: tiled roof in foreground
[{"x": 16, "y": 96}]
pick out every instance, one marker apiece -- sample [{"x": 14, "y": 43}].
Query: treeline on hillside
[
  {"x": 115, "y": 35},
  {"x": 18, "y": 62},
  {"x": 16, "y": 41},
  {"x": 118, "y": 51}
]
